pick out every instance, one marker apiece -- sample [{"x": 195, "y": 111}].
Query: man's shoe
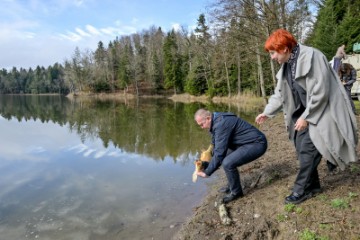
[
  {"x": 295, "y": 198},
  {"x": 231, "y": 197},
  {"x": 224, "y": 189}
]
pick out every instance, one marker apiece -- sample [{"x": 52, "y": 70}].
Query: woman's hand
[
  {"x": 261, "y": 118},
  {"x": 301, "y": 124}
]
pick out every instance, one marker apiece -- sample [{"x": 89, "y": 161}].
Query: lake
[{"x": 91, "y": 169}]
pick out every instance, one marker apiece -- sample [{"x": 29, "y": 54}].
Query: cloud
[
  {"x": 29, "y": 34},
  {"x": 88, "y": 152},
  {"x": 176, "y": 26},
  {"x": 82, "y": 32},
  {"x": 23, "y": 48},
  {"x": 134, "y": 21},
  {"x": 99, "y": 34},
  {"x": 41, "y": 33},
  {"x": 29, "y": 49},
  {"x": 71, "y": 36},
  {"x": 36, "y": 149},
  {"x": 78, "y": 2},
  {"x": 92, "y": 30},
  {"x": 100, "y": 154},
  {"x": 109, "y": 31}
]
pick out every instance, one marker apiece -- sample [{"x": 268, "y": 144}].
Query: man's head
[{"x": 203, "y": 118}]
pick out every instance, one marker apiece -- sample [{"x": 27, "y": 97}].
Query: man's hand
[
  {"x": 261, "y": 118},
  {"x": 201, "y": 174},
  {"x": 301, "y": 124}
]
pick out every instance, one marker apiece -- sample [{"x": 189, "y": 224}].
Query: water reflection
[{"x": 97, "y": 169}]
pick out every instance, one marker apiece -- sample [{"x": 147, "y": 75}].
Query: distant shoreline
[{"x": 243, "y": 101}]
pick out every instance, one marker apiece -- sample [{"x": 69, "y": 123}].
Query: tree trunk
[
  {"x": 260, "y": 70},
  {"x": 227, "y": 79},
  {"x": 239, "y": 72}
]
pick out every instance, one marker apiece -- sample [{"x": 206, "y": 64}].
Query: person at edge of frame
[
  {"x": 317, "y": 113},
  {"x": 336, "y": 63}
]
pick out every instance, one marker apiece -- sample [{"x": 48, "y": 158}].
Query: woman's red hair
[{"x": 280, "y": 40}]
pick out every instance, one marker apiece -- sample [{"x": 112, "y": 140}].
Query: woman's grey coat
[{"x": 332, "y": 123}]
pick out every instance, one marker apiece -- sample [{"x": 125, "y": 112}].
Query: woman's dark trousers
[{"x": 309, "y": 159}]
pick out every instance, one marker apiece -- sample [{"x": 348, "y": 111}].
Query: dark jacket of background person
[
  {"x": 347, "y": 74},
  {"x": 229, "y": 132}
]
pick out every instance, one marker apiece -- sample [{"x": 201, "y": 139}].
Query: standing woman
[
  {"x": 317, "y": 111},
  {"x": 347, "y": 75}
]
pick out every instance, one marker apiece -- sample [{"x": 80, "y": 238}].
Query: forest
[{"x": 223, "y": 56}]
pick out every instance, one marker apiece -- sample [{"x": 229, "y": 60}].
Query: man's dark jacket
[{"x": 229, "y": 132}]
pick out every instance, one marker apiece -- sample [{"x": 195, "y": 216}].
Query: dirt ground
[{"x": 262, "y": 214}]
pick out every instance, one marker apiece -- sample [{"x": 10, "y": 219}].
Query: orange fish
[{"x": 199, "y": 164}]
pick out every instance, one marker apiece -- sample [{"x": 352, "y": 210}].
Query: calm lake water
[{"x": 84, "y": 170}]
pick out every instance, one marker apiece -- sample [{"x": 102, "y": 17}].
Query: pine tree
[{"x": 173, "y": 63}]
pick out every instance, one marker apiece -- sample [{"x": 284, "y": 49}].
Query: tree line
[{"x": 222, "y": 56}]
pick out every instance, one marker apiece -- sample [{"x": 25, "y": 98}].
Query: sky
[{"x": 43, "y": 32}]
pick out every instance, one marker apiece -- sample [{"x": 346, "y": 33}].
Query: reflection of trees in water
[
  {"x": 26, "y": 107},
  {"x": 153, "y": 127},
  {"x": 157, "y": 128}
]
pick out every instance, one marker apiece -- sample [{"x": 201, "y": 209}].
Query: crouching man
[{"x": 235, "y": 142}]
